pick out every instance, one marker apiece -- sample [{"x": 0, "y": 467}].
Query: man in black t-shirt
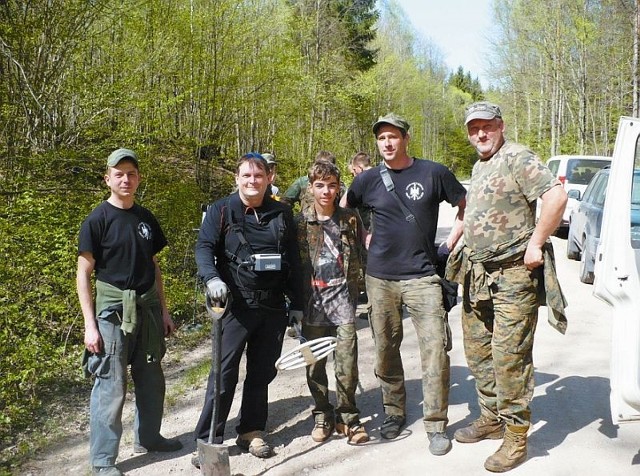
[
  {"x": 127, "y": 323},
  {"x": 401, "y": 270}
]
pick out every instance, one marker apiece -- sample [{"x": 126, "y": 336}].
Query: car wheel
[
  {"x": 586, "y": 276},
  {"x": 572, "y": 248}
]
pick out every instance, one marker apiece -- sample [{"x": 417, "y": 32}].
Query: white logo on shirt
[
  {"x": 144, "y": 230},
  {"x": 414, "y": 191}
]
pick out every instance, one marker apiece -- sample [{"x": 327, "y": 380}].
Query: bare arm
[
  {"x": 458, "y": 225},
  {"x": 167, "y": 323},
  {"x": 92, "y": 337},
  {"x": 553, "y": 202}
]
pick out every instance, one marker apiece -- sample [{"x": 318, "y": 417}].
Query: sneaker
[
  {"x": 106, "y": 471},
  {"x": 163, "y": 445},
  {"x": 322, "y": 430},
  {"x": 254, "y": 443},
  {"x": 392, "y": 426},
  {"x": 355, "y": 433},
  {"x": 439, "y": 443}
]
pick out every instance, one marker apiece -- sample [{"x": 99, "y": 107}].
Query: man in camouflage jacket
[
  {"x": 504, "y": 256},
  {"x": 330, "y": 241}
]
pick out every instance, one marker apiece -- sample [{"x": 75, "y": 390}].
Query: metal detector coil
[{"x": 307, "y": 352}]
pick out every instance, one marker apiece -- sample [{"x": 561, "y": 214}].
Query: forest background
[{"x": 190, "y": 85}]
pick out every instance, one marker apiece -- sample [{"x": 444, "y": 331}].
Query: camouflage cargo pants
[
  {"x": 498, "y": 344},
  {"x": 423, "y": 300},
  {"x": 346, "y": 371}
]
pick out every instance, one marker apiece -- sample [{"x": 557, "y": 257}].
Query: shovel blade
[{"x": 214, "y": 459}]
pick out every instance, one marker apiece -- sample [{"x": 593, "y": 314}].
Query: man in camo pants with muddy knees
[
  {"x": 401, "y": 270},
  {"x": 505, "y": 257}
]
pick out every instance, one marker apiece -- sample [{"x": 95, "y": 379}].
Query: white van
[
  {"x": 575, "y": 172},
  {"x": 617, "y": 271}
]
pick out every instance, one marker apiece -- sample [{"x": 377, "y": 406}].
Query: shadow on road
[{"x": 568, "y": 405}]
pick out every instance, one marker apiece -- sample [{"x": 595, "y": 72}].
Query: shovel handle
[{"x": 215, "y": 308}]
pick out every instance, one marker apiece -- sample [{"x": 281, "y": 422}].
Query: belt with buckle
[{"x": 506, "y": 265}]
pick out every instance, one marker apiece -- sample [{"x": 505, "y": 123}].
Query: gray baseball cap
[
  {"x": 120, "y": 154},
  {"x": 392, "y": 119},
  {"x": 481, "y": 110},
  {"x": 269, "y": 158}
]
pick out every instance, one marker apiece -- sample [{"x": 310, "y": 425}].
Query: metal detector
[{"x": 307, "y": 352}]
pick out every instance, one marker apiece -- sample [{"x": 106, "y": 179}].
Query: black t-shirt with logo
[
  {"x": 398, "y": 248},
  {"x": 123, "y": 243}
]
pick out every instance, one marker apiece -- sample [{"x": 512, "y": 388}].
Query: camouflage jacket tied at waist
[
  {"x": 467, "y": 265},
  {"x": 311, "y": 239}
]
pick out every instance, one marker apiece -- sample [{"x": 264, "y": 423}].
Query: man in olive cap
[
  {"x": 127, "y": 323},
  {"x": 504, "y": 246},
  {"x": 401, "y": 270}
]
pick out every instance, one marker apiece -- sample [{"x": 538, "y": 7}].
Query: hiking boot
[
  {"x": 106, "y": 471},
  {"x": 163, "y": 445},
  {"x": 439, "y": 443},
  {"x": 484, "y": 428},
  {"x": 392, "y": 426},
  {"x": 254, "y": 444},
  {"x": 322, "y": 430},
  {"x": 512, "y": 452},
  {"x": 355, "y": 433}
]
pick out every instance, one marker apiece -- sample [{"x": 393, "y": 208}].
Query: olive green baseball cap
[
  {"x": 392, "y": 119},
  {"x": 120, "y": 154},
  {"x": 481, "y": 110}
]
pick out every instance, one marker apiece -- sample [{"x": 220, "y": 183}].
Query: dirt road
[{"x": 572, "y": 432}]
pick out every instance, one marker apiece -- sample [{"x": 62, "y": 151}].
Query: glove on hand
[
  {"x": 295, "y": 317},
  {"x": 217, "y": 289}
]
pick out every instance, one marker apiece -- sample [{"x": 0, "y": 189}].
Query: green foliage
[{"x": 465, "y": 83}]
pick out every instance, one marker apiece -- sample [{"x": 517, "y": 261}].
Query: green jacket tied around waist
[{"x": 148, "y": 304}]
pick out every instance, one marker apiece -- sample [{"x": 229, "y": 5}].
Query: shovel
[{"x": 214, "y": 458}]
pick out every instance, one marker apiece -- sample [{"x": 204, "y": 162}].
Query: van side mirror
[{"x": 575, "y": 194}]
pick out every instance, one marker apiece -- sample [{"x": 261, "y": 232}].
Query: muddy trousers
[
  {"x": 422, "y": 298},
  {"x": 498, "y": 344},
  {"x": 110, "y": 389},
  {"x": 346, "y": 371},
  {"x": 260, "y": 331}
]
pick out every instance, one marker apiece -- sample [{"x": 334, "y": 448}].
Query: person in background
[
  {"x": 401, "y": 270},
  {"x": 273, "y": 191},
  {"x": 127, "y": 323},
  {"x": 235, "y": 230},
  {"x": 500, "y": 267},
  {"x": 330, "y": 240},
  {"x": 359, "y": 163}
]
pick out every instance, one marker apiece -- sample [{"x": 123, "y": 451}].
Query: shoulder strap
[
  {"x": 234, "y": 227},
  {"x": 388, "y": 183}
]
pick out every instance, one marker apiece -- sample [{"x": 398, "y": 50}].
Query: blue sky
[{"x": 459, "y": 28}]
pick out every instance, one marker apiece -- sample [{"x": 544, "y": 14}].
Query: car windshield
[{"x": 581, "y": 171}]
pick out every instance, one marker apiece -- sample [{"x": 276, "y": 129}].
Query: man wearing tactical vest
[{"x": 247, "y": 248}]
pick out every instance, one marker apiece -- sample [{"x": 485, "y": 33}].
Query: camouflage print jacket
[
  {"x": 311, "y": 239},
  {"x": 466, "y": 266}
]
